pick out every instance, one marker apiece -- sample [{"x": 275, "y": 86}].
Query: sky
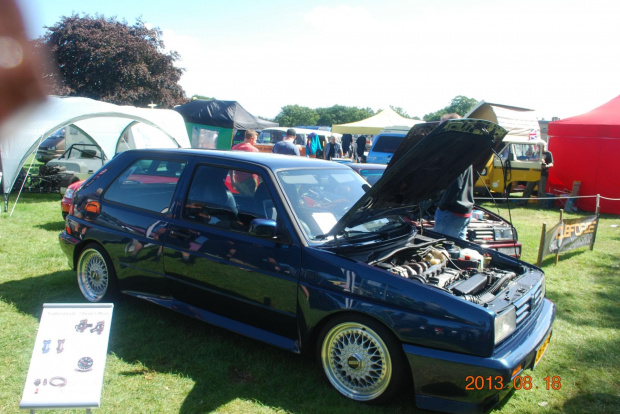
[{"x": 558, "y": 57}]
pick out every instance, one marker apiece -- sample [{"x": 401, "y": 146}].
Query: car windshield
[
  {"x": 371, "y": 175},
  {"x": 388, "y": 143},
  {"x": 320, "y": 197}
]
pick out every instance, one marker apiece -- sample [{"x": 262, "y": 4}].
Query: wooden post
[
  {"x": 557, "y": 255},
  {"x": 598, "y": 211},
  {"x": 541, "y": 246}
]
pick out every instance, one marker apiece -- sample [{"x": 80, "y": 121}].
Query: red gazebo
[{"x": 586, "y": 148}]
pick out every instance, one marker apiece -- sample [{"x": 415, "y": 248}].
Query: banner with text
[{"x": 570, "y": 234}]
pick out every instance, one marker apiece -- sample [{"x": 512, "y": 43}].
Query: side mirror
[{"x": 265, "y": 228}]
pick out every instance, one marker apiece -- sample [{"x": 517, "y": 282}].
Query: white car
[{"x": 77, "y": 163}]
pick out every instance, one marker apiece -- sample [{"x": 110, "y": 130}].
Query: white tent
[
  {"x": 105, "y": 123},
  {"x": 376, "y": 123}
]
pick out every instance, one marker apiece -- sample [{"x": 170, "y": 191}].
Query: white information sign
[{"x": 68, "y": 360}]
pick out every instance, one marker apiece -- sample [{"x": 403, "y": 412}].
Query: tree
[
  {"x": 460, "y": 105},
  {"x": 103, "y": 59},
  {"x": 339, "y": 114},
  {"x": 400, "y": 111},
  {"x": 204, "y": 98},
  {"x": 292, "y": 115}
]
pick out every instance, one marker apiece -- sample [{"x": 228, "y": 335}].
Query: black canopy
[{"x": 223, "y": 114}]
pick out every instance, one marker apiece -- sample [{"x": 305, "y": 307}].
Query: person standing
[
  {"x": 332, "y": 149},
  {"x": 287, "y": 145},
  {"x": 360, "y": 142},
  {"x": 346, "y": 144},
  {"x": 547, "y": 162},
  {"x": 244, "y": 182},
  {"x": 456, "y": 205},
  {"x": 249, "y": 140}
]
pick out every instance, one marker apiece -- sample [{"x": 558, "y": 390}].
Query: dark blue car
[{"x": 302, "y": 254}]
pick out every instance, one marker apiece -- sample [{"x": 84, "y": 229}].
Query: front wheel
[
  {"x": 362, "y": 359},
  {"x": 95, "y": 274}
]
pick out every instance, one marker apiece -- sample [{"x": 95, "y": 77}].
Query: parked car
[
  {"x": 52, "y": 146},
  {"x": 486, "y": 228},
  {"x": 67, "y": 197},
  {"x": 315, "y": 261},
  {"x": 386, "y": 143},
  {"x": 78, "y": 162}
]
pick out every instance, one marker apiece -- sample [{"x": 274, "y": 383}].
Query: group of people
[
  {"x": 347, "y": 148},
  {"x": 333, "y": 149}
]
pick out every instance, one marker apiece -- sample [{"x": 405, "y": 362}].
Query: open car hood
[{"x": 424, "y": 165}]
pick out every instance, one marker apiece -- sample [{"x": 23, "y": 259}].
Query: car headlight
[
  {"x": 69, "y": 193},
  {"x": 504, "y": 233},
  {"x": 505, "y": 324}
]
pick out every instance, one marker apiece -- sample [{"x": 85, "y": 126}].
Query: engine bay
[{"x": 462, "y": 272}]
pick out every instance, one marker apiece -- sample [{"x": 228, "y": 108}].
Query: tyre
[
  {"x": 95, "y": 274},
  {"x": 362, "y": 359}
]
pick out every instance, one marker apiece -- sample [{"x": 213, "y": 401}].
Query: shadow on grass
[
  {"x": 224, "y": 366},
  {"x": 596, "y": 402},
  {"x": 56, "y": 226},
  {"x": 601, "y": 294}
]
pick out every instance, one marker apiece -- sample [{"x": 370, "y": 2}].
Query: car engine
[{"x": 441, "y": 264}]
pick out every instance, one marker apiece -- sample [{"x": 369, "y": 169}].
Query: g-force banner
[{"x": 570, "y": 234}]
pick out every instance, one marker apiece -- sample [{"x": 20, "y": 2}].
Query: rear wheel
[
  {"x": 95, "y": 274},
  {"x": 362, "y": 359}
]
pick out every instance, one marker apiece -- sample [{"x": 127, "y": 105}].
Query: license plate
[{"x": 541, "y": 350}]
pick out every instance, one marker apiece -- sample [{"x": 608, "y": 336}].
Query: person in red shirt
[
  {"x": 243, "y": 182},
  {"x": 248, "y": 142}
]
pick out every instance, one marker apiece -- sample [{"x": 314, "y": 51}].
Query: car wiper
[{"x": 356, "y": 233}]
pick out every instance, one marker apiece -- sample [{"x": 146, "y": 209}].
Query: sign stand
[
  {"x": 557, "y": 254},
  {"x": 69, "y": 355},
  {"x": 568, "y": 234}
]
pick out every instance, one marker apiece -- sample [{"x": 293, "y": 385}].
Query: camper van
[{"x": 519, "y": 161}]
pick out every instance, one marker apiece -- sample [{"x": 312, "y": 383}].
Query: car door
[{"x": 212, "y": 262}]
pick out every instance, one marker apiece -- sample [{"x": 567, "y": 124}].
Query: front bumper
[{"x": 440, "y": 377}]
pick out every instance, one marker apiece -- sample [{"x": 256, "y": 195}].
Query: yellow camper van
[{"x": 519, "y": 161}]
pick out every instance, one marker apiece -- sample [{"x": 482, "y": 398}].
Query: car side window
[
  {"x": 227, "y": 198},
  {"x": 147, "y": 184}
]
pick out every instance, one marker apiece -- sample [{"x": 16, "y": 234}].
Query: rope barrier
[{"x": 547, "y": 198}]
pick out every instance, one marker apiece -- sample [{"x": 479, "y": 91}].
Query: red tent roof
[{"x": 603, "y": 121}]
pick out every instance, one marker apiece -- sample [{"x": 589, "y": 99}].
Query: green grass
[{"x": 160, "y": 361}]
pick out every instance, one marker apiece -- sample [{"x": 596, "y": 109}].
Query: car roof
[{"x": 267, "y": 160}]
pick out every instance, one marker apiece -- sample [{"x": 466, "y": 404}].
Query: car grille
[
  {"x": 528, "y": 303},
  {"x": 481, "y": 235}
]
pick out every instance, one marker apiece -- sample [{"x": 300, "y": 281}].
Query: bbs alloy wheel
[
  {"x": 357, "y": 361},
  {"x": 95, "y": 274}
]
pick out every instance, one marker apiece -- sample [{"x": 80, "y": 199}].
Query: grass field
[{"x": 160, "y": 361}]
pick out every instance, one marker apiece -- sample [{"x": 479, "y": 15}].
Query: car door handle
[{"x": 181, "y": 235}]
